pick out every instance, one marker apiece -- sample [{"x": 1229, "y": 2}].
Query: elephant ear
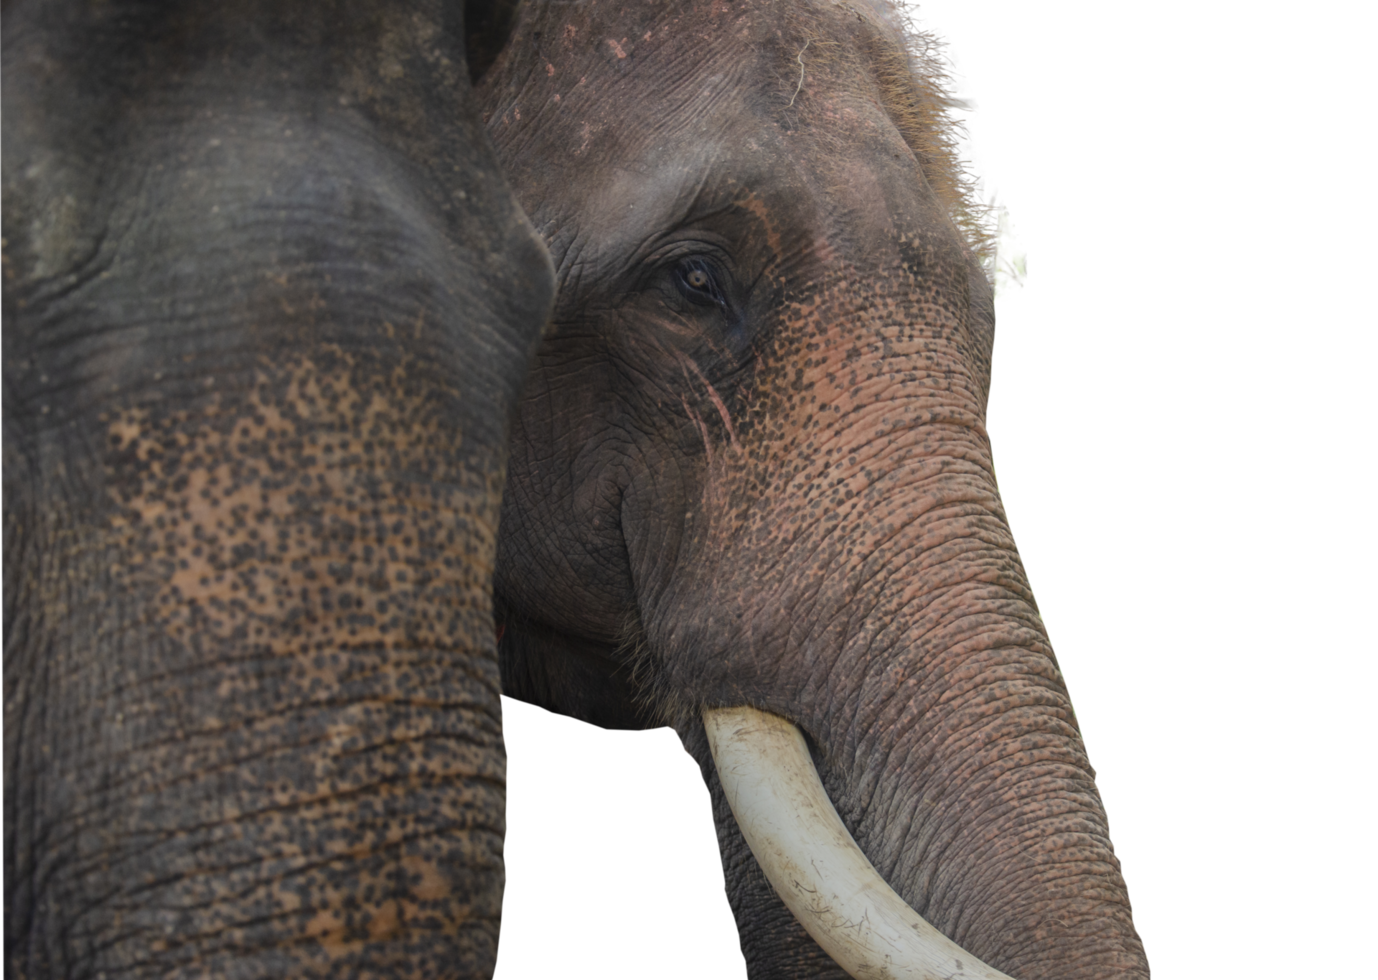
[{"x": 487, "y": 29}]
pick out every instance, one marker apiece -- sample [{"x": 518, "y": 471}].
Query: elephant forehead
[
  {"x": 770, "y": 197},
  {"x": 684, "y": 82}
]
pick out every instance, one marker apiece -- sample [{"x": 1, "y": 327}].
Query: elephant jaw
[{"x": 812, "y": 861}]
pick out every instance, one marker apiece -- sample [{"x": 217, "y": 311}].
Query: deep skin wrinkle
[{"x": 779, "y": 491}]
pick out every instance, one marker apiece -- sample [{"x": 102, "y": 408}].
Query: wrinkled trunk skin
[
  {"x": 872, "y": 549},
  {"x": 268, "y": 304},
  {"x": 774, "y": 488}
]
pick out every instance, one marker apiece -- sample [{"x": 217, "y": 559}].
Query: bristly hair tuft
[{"x": 915, "y": 88}]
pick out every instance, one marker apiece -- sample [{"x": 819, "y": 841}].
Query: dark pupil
[{"x": 697, "y": 278}]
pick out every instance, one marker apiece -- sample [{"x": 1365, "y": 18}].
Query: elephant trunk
[
  {"x": 266, "y": 321},
  {"x": 898, "y": 632}
]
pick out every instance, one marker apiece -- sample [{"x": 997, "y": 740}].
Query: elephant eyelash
[{"x": 700, "y": 282}]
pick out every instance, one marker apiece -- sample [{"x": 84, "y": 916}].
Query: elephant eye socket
[{"x": 699, "y": 282}]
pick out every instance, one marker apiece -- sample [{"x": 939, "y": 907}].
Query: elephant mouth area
[
  {"x": 579, "y": 676},
  {"x": 813, "y": 863}
]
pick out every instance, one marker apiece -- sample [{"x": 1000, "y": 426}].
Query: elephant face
[
  {"x": 268, "y": 306},
  {"x": 750, "y": 466}
]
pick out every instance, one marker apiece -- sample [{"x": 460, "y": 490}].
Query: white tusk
[{"x": 814, "y": 864}]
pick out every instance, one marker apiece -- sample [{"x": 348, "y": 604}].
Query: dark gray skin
[
  {"x": 268, "y": 306},
  {"x": 751, "y": 465}
]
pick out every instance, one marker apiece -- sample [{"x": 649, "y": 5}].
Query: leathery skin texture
[
  {"x": 751, "y": 467},
  {"x": 266, "y": 322}
]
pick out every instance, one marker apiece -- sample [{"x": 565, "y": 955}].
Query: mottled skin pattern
[
  {"x": 268, "y": 306},
  {"x": 751, "y": 465}
]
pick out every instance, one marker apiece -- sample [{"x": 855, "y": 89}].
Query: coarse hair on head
[{"x": 915, "y": 91}]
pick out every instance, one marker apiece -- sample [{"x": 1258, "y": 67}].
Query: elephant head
[
  {"x": 751, "y": 470},
  {"x": 268, "y": 306}
]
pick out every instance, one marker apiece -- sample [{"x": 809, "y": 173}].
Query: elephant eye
[{"x": 699, "y": 282}]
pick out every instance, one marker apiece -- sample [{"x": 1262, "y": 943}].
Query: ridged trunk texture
[{"x": 863, "y": 582}]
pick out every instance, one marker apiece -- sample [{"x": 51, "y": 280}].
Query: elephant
[
  {"x": 327, "y": 475},
  {"x": 751, "y": 493},
  {"x": 269, "y": 303}
]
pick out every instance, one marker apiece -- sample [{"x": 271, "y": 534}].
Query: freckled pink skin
[{"x": 790, "y": 504}]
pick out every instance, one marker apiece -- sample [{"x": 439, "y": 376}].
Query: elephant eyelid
[{"x": 700, "y": 282}]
